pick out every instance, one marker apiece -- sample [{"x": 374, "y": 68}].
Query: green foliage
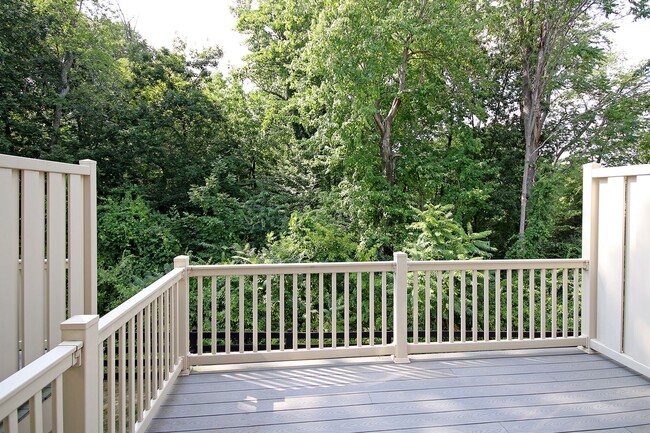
[
  {"x": 190, "y": 161},
  {"x": 439, "y": 237},
  {"x": 135, "y": 245},
  {"x": 310, "y": 237},
  {"x": 554, "y": 229}
]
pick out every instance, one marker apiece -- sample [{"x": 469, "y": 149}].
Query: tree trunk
[
  {"x": 534, "y": 82},
  {"x": 385, "y": 125},
  {"x": 66, "y": 65}
]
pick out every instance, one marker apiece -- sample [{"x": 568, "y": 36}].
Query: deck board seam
[
  {"x": 287, "y": 411},
  {"x": 437, "y": 399},
  {"x": 427, "y": 426}
]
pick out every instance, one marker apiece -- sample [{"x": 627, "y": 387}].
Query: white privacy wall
[
  {"x": 636, "y": 324},
  {"x": 618, "y": 209}
]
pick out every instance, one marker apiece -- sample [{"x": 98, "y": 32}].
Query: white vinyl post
[
  {"x": 589, "y": 250},
  {"x": 400, "y": 325},
  {"x": 90, "y": 237},
  {"x": 183, "y": 325},
  {"x": 81, "y": 383}
]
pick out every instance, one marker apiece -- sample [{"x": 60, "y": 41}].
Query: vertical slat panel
[
  {"x": 359, "y": 310},
  {"x": 282, "y": 317},
  {"x": 565, "y": 303},
  {"x": 110, "y": 383},
  {"x": 141, "y": 361},
  {"x": 439, "y": 308},
  {"x": 334, "y": 308},
  {"x": 611, "y": 261},
  {"x": 371, "y": 298},
  {"x": 148, "y": 357},
  {"x": 255, "y": 314},
  {"x": 168, "y": 334},
  {"x": 427, "y": 301},
  {"x": 509, "y": 303},
  {"x": 384, "y": 307},
  {"x": 56, "y": 249},
  {"x": 154, "y": 348},
  {"x": 10, "y": 424},
  {"x": 308, "y": 310},
  {"x": 75, "y": 245},
  {"x": 269, "y": 280},
  {"x": 531, "y": 302},
  {"x": 242, "y": 320},
  {"x": 9, "y": 307},
  {"x": 131, "y": 375},
  {"x": 33, "y": 255},
  {"x": 199, "y": 315},
  {"x": 346, "y": 309},
  {"x": 463, "y": 306},
  {"x": 121, "y": 371},
  {"x": 451, "y": 307},
  {"x": 416, "y": 296},
  {"x": 576, "y": 307},
  {"x": 173, "y": 321},
  {"x": 486, "y": 305},
  {"x": 161, "y": 344},
  {"x": 213, "y": 314},
  {"x": 554, "y": 303},
  {"x": 497, "y": 304},
  {"x": 36, "y": 412},
  {"x": 542, "y": 302},
  {"x": 57, "y": 405},
  {"x": 474, "y": 306},
  {"x": 228, "y": 310},
  {"x": 321, "y": 315},
  {"x": 294, "y": 318},
  {"x": 520, "y": 304}
]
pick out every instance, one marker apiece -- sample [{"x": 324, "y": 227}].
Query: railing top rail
[
  {"x": 117, "y": 317},
  {"x": 482, "y": 265},
  {"x": 289, "y": 268},
  {"x": 633, "y": 170},
  {"x": 20, "y": 163},
  {"x": 25, "y": 383}
]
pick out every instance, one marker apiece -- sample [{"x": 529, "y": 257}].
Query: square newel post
[
  {"x": 183, "y": 314},
  {"x": 81, "y": 383},
  {"x": 590, "y": 193},
  {"x": 400, "y": 325}
]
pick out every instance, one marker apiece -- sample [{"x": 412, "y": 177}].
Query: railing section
[
  {"x": 247, "y": 313},
  {"x": 34, "y": 395},
  {"x": 494, "y": 304},
  {"x": 140, "y": 351}
]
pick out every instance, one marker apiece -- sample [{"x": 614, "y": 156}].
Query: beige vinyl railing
[
  {"x": 143, "y": 344},
  {"x": 27, "y": 385},
  {"x": 48, "y": 258},
  {"x": 494, "y": 304},
  {"x": 250, "y": 313}
]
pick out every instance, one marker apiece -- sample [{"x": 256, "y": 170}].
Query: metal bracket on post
[{"x": 76, "y": 355}]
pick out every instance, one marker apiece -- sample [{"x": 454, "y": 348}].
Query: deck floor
[{"x": 559, "y": 390}]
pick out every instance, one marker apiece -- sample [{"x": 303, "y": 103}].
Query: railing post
[
  {"x": 589, "y": 251},
  {"x": 400, "y": 325},
  {"x": 90, "y": 237},
  {"x": 183, "y": 324},
  {"x": 81, "y": 383}
]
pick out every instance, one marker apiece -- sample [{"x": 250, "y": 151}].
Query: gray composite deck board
[{"x": 539, "y": 391}]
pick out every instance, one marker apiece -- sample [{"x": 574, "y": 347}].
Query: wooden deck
[{"x": 558, "y": 390}]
